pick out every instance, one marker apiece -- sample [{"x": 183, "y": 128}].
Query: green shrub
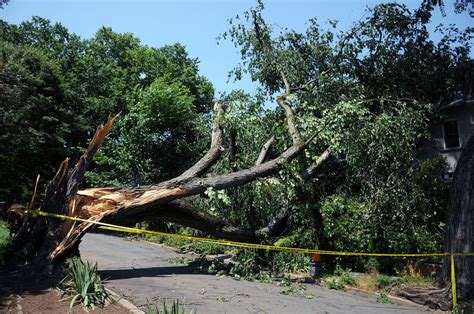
[
  {"x": 384, "y": 281},
  {"x": 417, "y": 196},
  {"x": 340, "y": 279},
  {"x": 339, "y": 213},
  {"x": 383, "y": 298},
  {"x": 334, "y": 283},
  {"x": 345, "y": 276},
  {"x": 284, "y": 262},
  {"x": 410, "y": 279},
  {"x": 249, "y": 263},
  {"x": 185, "y": 244},
  {"x": 85, "y": 284},
  {"x": 4, "y": 241}
]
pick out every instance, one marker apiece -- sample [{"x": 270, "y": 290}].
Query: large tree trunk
[
  {"x": 38, "y": 237},
  {"x": 45, "y": 242},
  {"x": 460, "y": 226},
  {"x": 459, "y": 239}
]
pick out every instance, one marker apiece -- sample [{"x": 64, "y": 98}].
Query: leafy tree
[
  {"x": 364, "y": 93},
  {"x": 101, "y": 77},
  {"x": 163, "y": 119},
  {"x": 36, "y": 125},
  {"x": 3, "y": 2}
]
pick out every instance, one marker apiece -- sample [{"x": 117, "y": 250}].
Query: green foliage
[
  {"x": 258, "y": 265},
  {"x": 367, "y": 93},
  {"x": 410, "y": 278},
  {"x": 283, "y": 262},
  {"x": 173, "y": 309},
  {"x": 86, "y": 284},
  {"x": 340, "y": 279},
  {"x": 38, "y": 127},
  {"x": 407, "y": 216},
  {"x": 384, "y": 299},
  {"x": 383, "y": 282},
  {"x": 345, "y": 276},
  {"x": 343, "y": 222},
  {"x": 333, "y": 283},
  {"x": 386, "y": 146},
  {"x": 249, "y": 263},
  {"x": 254, "y": 265},
  {"x": 162, "y": 118},
  {"x": 180, "y": 260},
  {"x": 56, "y": 89},
  {"x": 295, "y": 290},
  {"x": 4, "y": 242}
]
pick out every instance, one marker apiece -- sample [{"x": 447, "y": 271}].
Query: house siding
[{"x": 464, "y": 115}]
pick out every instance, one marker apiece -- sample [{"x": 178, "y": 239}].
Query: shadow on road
[{"x": 115, "y": 274}]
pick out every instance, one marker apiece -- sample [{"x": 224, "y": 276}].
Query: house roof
[{"x": 458, "y": 103}]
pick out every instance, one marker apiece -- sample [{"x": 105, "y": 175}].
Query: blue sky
[{"x": 196, "y": 23}]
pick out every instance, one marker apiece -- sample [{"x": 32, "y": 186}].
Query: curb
[
  {"x": 395, "y": 299},
  {"x": 123, "y": 302}
]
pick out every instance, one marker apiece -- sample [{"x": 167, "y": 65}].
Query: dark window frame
[{"x": 451, "y": 136}]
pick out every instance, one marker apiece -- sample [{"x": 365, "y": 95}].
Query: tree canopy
[
  {"x": 369, "y": 93},
  {"x": 56, "y": 88}
]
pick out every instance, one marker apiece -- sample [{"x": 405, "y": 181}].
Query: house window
[{"x": 451, "y": 134}]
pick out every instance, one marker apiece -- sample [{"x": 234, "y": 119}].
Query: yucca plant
[
  {"x": 174, "y": 309},
  {"x": 84, "y": 284}
]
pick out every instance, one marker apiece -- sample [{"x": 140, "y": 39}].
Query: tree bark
[
  {"x": 458, "y": 239},
  {"x": 460, "y": 226},
  {"x": 39, "y": 236}
]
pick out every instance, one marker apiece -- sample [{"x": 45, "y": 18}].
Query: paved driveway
[{"x": 142, "y": 273}]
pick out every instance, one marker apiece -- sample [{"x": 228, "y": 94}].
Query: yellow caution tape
[
  {"x": 453, "y": 284},
  {"x": 112, "y": 227}
]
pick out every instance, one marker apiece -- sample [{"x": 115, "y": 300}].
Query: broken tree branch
[
  {"x": 263, "y": 153},
  {"x": 291, "y": 120},
  {"x": 212, "y": 155},
  {"x": 188, "y": 214},
  {"x": 125, "y": 203},
  {"x": 311, "y": 170}
]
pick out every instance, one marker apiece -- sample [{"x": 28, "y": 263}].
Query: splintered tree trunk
[
  {"x": 460, "y": 226},
  {"x": 38, "y": 237},
  {"x": 45, "y": 242}
]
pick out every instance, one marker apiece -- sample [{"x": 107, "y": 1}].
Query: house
[{"x": 451, "y": 134}]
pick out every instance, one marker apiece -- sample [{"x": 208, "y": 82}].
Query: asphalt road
[{"x": 142, "y": 273}]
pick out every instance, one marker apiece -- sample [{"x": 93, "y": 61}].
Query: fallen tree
[
  {"x": 47, "y": 241},
  {"x": 370, "y": 121}
]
